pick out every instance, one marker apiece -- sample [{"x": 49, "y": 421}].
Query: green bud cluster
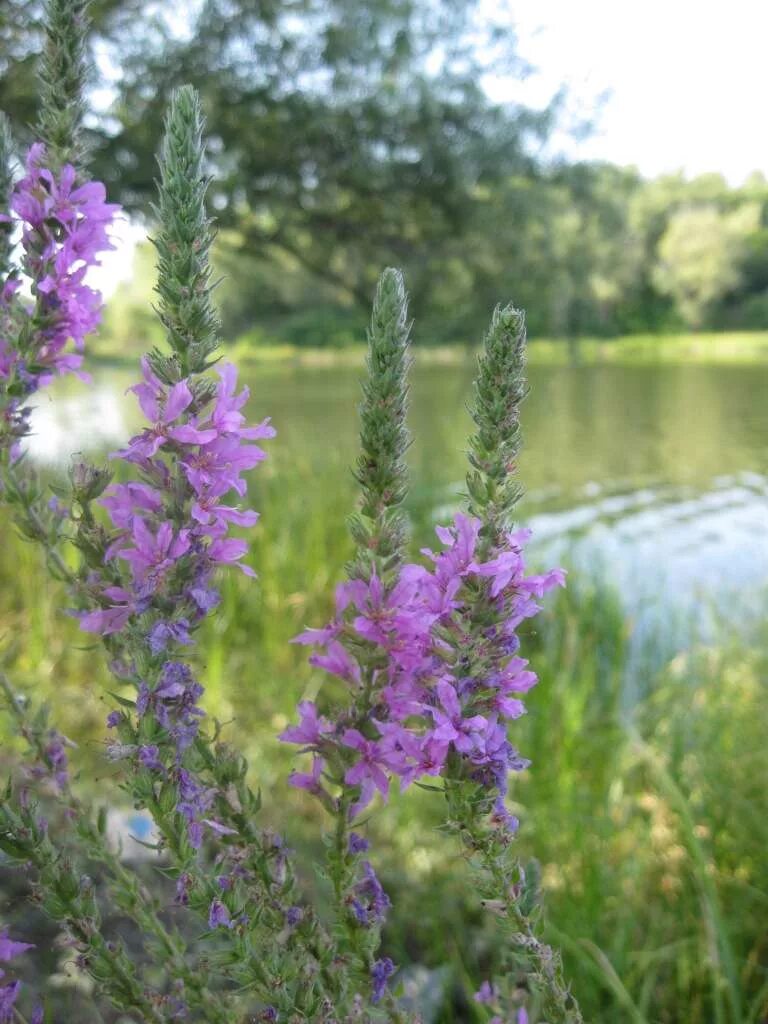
[
  {"x": 63, "y": 75},
  {"x": 183, "y": 244},
  {"x": 380, "y": 529},
  {"x": 499, "y": 389}
]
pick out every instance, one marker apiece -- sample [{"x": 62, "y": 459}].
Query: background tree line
[{"x": 351, "y": 134}]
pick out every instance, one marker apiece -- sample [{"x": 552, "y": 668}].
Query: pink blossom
[
  {"x": 309, "y": 732},
  {"x": 311, "y": 781}
]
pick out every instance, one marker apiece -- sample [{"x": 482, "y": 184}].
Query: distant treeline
[
  {"x": 348, "y": 135},
  {"x": 586, "y": 249}
]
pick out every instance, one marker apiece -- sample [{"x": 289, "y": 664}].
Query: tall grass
[{"x": 649, "y": 823}]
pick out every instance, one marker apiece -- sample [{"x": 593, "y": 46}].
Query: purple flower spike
[
  {"x": 219, "y": 916},
  {"x": 441, "y": 688},
  {"x": 10, "y": 949},
  {"x": 8, "y": 996},
  {"x": 381, "y": 972},
  {"x": 486, "y": 994}
]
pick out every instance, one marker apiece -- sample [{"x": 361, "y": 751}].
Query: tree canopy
[{"x": 346, "y": 135}]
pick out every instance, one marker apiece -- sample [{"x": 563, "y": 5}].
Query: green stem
[{"x": 126, "y": 891}]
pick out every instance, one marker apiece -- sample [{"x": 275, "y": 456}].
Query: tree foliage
[{"x": 351, "y": 134}]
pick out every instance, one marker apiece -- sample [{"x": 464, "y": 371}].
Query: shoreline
[{"x": 726, "y": 348}]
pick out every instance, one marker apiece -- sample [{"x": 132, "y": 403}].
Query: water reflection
[
  {"x": 67, "y": 423},
  {"x": 655, "y": 474}
]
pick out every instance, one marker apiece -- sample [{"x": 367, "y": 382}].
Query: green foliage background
[{"x": 346, "y": 136}]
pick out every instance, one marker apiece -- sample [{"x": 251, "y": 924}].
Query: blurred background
[{"x": 600, "y": 165}]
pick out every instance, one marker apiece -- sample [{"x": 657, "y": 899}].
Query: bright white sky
[
  {"x": 685, "y": 79},
  {"x": 670, "y": 84}
]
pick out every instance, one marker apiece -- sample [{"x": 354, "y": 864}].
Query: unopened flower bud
[{"x": 88, "y": 482}]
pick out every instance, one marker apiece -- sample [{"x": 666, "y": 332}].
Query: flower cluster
[
  {"x": 487, "y": 995},
  {"x": 171, "y": 527},
  {"x": 9, "y": 991},
  {"x": 441, "y": 687},
  {"x": 170, "y": 535},
  {"x": 63, "y": 229},
  {"x": 53, "y": 763}
]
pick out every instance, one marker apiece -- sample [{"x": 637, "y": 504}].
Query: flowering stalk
[
  {"x": 147, "y": 584},
  {"x": 430, "y": 655},
  {"x": 63, "y": 222},
  {"x": 505, "y": 891},
  {"x": 47, "y": 762},
  {"x": 379, "y": 530},
  {"x": 63, "y": 229}
]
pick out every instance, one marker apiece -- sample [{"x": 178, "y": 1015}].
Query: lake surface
[{"x": 654, "y": 476}]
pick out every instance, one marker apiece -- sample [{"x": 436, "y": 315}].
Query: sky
[{"x": 683, "y": 81}]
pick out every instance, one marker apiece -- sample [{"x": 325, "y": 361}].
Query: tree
[
  {"x": 701, "y": 255},
  {"x": 357, "y": 132}
]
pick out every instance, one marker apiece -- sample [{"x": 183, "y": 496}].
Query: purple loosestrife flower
[
  {"x": 358, "y": 843},
  {"x": 309, "y": 732},
  {"x": 163, "y": 407},
  {"x": 309, "y": 780},
  {"x": 54, "y": 764},
  {"x": 8, "y": 996},
  {"x": 424, "y": 706},
  {"x": 369, "y": 901},
  {"x": 486, "y": 994},
  {"x": 149, "y": 757},
  {"x": 9, "y": 950},
  {"x": 183, "y": 885},
  {"x": 173, "y": 703},
  {"x": 219, "y": 916},
  {"x": 369, "y": 771},
  {"x": 381, "y": 971},
  {"x": 63, "y": 230}
]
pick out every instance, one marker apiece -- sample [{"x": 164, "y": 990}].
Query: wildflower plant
[
  {"x": 430, "y": 655},
  {"x": 427, "y": 650}
]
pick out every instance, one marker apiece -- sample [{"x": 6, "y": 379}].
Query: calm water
[{"x": 655, "y": 475}]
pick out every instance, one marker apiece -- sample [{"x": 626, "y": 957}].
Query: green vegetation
[
  {"x": 122, "y": 341},
  {"x": 649, "y": 259},
  {"x": 648, "y": 828},
  {"x": 350, "y": 149},
  {"x": 643, "y": 808}
]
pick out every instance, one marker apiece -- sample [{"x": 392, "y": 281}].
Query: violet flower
[
  {"x": 9, "y": 950},
  {"x": 219, "y": 916},
  {"x": 381, "y": 972},
  {"x": 63, "y": 230},
  {"x": 426, "y": 710}
]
